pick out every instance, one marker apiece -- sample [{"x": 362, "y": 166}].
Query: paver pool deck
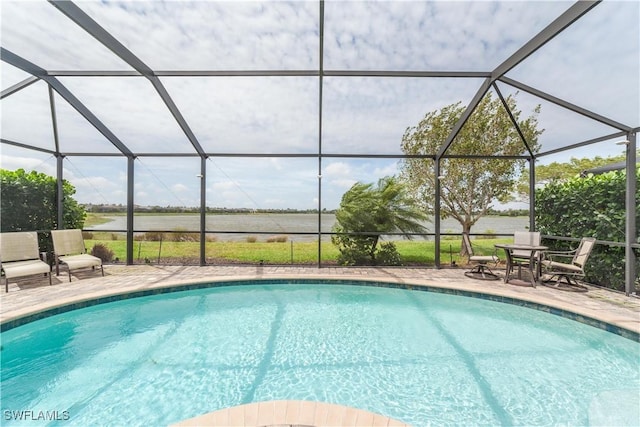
[{"x": 34, "y": 295}]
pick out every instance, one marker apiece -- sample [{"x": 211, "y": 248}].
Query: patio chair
[
  {"x": 481, "y": 270},
  {"x": 19, "y": 256},
  {"x": 522, "y": 258},
  {"x": 69, "y": 249},
  {"x": 571, "y": 271}
]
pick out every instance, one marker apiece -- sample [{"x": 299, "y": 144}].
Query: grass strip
[{"x": 416, "y": 252}]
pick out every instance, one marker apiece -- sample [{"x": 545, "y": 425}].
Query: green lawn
[{"x": 418, "y": 252}]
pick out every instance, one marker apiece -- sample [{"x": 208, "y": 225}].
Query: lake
[{"x": 237, "y": 226}]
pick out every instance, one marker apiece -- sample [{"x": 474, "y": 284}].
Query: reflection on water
[{"x": 233, "y": 227}]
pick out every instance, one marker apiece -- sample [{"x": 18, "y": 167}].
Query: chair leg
[
  {"x": 481, "y": 272},
  {"x": 564, "y": 285},
  {"x": 69, "y": 270}
]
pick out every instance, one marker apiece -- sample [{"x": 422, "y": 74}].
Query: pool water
[{"x": 420, "y": 357}]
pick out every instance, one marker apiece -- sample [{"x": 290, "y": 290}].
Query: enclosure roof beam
[
  {"x": 569, "y": 16},
  {"x": 558, "y": 25},
  {"x": 271, "y": 73},
  {"x": 29, "y": 67},
  {"x": 569, "y": 106},
  {"x": 464, "y": 117},
  {"x": 18, "y": 86},
  {"x": 28, "y": 147},
  {"x": 513, "y": 119},
  {"x": 391, "y": 73},
  {"x": 83, "y": 20},
  {"x": 583, "y": 143}
]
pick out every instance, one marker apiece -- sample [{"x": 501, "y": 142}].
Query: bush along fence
[{"x": 592, "y": 206}]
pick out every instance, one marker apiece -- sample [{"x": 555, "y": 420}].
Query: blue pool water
[{"x": 421, "y": 357}]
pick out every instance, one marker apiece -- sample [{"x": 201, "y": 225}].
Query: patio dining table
[{"x": 535, "y": 255}]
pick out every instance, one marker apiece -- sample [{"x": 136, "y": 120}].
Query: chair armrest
[{"x": 560, "y": 254}]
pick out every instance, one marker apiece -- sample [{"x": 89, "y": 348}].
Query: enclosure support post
[
  {"x": 60, "y": 190},
  {"x": 203, "y": 210},
  {"x": 320, "y": 94},
  {"x": 320, "y": 212},
  {"x": 130, "y": 201},
  {"x": 436, "y": 212},
  {"x": 532, "y": 194},
  {"x": 59, "y": 162},
  {"x": 631, "y": 208}
]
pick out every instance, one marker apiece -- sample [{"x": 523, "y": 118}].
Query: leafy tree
[
  {"x": 29, "y": 203},
  {"x": 469, "y": 186},
  {"x": 366, "y": 213},
  {"x": 562, "y": 171}
]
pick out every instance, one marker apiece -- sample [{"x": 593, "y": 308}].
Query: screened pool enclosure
[{"x": 280, "y": 106}]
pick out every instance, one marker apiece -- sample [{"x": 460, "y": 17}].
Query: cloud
[
  {"x": 10, "y": 162},
  {"x": 244, "y": 115},
  {"x": 339, "y": 175},
  {"x": 337, "y": 169},
  {"x": 343, "y": 183},
  {"x": 430, "y": 35},
  {"x": 38, "y": 32},
  {"x": 179, "y": 187},
  {"x": 26, "y": 117},
  {"x": 387, "y": 170},
  {"x": 246, "y": 35},
  {"x": 370, "y": 115},
  {"x": 223, "y": 186},
  {"x": 593, "y": 64}
]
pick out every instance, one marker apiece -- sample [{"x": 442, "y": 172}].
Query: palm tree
[{"x": 367, "y": 212}]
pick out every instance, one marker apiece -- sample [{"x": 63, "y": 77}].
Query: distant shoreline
[{"x": 305, "y": 226}]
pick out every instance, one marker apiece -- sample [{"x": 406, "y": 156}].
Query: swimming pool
[{"x": 420, "y": 357}]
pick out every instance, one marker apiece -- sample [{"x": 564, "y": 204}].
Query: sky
[{"x": 594, "y": 64}]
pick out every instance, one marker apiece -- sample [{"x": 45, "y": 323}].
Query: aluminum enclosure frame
[{"x": 84, "y": 21}]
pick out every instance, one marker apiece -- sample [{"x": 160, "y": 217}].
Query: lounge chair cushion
[
  {"x": 24, "y": 268},
  {"x": 74, "y": 262}
]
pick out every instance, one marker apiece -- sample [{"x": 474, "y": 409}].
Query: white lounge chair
[
  {"x": 481, "y": 270},
  {"x": 570, "y": 271},
  {"x": 19, "y": 256},
  {"x": 69, "y": 249}
]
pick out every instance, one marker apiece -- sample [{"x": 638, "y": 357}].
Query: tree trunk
[
  {"x": 466, "y": 229},
  {"x": 372, "y": 253}
]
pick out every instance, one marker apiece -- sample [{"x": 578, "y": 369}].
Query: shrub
[
  {"x": 358, "y": 252},
  {"x": 153, "y": 236},
  {"x": 388, "y": 255},
  {"x": 114, "y": 236},
  {"x": 181, "y": 235},
  {"x": 103, "y": 252},
  {"x": 279, "y": 239},
  {"x": 489, "y": 234},
  {"x": 212, "y": 239},
  {"x": 589, "y": 207},
  {"x": 29, "y": 202},
  {"x": 353, "y": 255},
  {"x": 252, "y": 239},
  {"x": 449, "y": 237},
  {"x": 87, "y": 235}
]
